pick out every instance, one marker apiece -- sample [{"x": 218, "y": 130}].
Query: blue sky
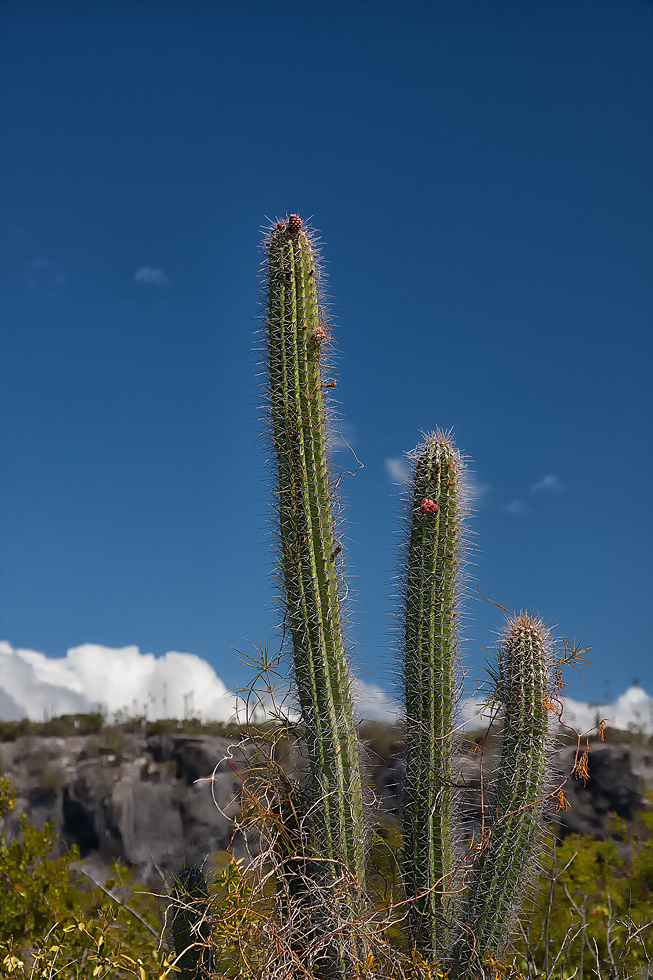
[{"x": 481, "y": 174}]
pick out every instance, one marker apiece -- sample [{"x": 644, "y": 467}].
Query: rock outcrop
[
  {"x": 148, "y": 802},
  {"x": 152, "y": 801}
]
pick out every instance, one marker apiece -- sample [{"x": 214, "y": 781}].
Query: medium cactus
[
  {"x": 508, "y": 851},
  {"x": 431, "y": 574},
  {"x": 296, "y": 339}
]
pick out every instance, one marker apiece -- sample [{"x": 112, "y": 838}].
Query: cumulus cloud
[
  {"x": 153, "y": 277},
  {"x": 124, "y": 680},
  {"x": 517, "y": 508},
  {"x": 341, "y": 435},
  {"x": 119, "y": 680},
  {"x": 398, "y": 469},
  {"x": 475, "y": 489},
  {"x": 633, "y": 710},
  {"x": 115, "y": 679},
  {"x": 372, "y": 703},
  {"x": 549, "y": 482}
]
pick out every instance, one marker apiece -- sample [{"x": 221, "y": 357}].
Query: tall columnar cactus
[
  {"x": 507, "y": 854},
  {"x": 430, "y": 579},
  {"x": 296, "y": 339}
]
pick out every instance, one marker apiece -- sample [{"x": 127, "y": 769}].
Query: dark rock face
[
  {"x": 150, "y": 802},
  {"x": 147, "y": 802},
  {"x": 619, "y": 776}
]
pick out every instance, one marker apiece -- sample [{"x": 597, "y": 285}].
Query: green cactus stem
[
  {"x": 507, "y": 853},
  {"x": 431, "y": 574},
  {"x": 190, "y": 928},
  {"x": 297, "y": 337}
]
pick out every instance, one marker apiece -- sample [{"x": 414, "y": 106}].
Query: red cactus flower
[
  {"x": 294, "y": 224},
  {"x": 428, "y": 506}
]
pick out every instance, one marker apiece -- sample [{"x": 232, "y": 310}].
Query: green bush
[
  {"x": 52, "y": 926},
  {"x": 63, "y": 726},
  {"x": 593, "y": 911},
  {"x": 35, "y": 890}
]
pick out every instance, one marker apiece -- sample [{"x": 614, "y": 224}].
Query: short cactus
[
  {"x": 190, "y": 927},
  {"x": 507, "y": 854}
]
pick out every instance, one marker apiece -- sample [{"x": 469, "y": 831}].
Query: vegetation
[
  {"x": 591, "y": 916},
  {"x": 51, "y": 925},
  {"x": 66, "y": 726}
]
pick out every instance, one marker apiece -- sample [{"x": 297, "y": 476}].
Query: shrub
[
  {"x": 49, "y": 925},
  {"x": 593, "y": 911}
]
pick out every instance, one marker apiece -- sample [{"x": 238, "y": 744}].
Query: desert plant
[
  {"x": 431, "y": 575},
  {"x": 296, "y": 337},
  {"x": 460, "y": 898},
  {"x": 463, "y": 933},
  {"x": 506, "y": 853},
  {"x": 445, "y": 930}
]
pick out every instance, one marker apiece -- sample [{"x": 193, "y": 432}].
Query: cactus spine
[
  {"x": 520, "y": 784},
  {"x": 295, "y": 341},
  {"x": 430, "y": 576}
]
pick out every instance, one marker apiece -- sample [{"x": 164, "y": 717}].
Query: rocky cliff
[{"x": 151, "y": 800}]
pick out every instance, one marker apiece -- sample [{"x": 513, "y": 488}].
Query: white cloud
[
  {"x": 33, "y": 685},
  {"x": 476, "y": 490},
  {"x": 548, "y": 483},
  {"x": 632, "y": 710},
  {"x": 341, "y": 435},
  {"x": 123, "y": 679},
  {"x": 117, "y": 679},
  {"x": 517, "y": 508},
  {"x": 398, "y": 469},
  {"x": 372, "y": 703},
  {"x": 153, "y": 277}
]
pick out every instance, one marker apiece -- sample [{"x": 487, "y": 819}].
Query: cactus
[
  {"x": 296, "y": 339},
  {"x": 507, "y": 853},
  {"x": 190, "y": 928},
  {"x": 431, "y": 572},
  {"x": 455, "y": 934}
]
